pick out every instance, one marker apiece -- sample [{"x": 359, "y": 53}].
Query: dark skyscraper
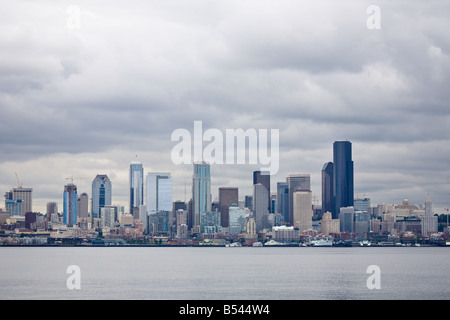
[
  {"x": 283, "y": 200},
  {"x": 327, "y": 189},
  {"x": 227, "y": 197},
  {"x": 342, "y": 175}
]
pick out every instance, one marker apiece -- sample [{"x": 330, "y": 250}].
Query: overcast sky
[{"x": 86, "y": 86}]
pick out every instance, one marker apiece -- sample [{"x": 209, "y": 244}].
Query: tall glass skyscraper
[
  {"x": 136, "y": 187},
  {"x": 283, "y": 200},
  {"x": 159, "y": 192},
  {"x": 101, "y": 194},
  {"x": 342, "y": 175},
  {"x": 201, "y": 191},
  {"x": 327, "y": 188},
  {"x": 70, "y": 205}
]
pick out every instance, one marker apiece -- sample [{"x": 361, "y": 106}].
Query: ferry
[
  {"x": 321, "y": 243},
  {"x": 234, "y": 244},
  {"x": 274, "y": 243}
]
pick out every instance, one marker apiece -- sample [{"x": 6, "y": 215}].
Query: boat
[
  {"x": 257, "y": 244},
  {"x": 274, "y": 243},
  {"x": 321, "y": 243},
  {"x": 234, "y": 244},
  {"x": 365, "y": 243}
]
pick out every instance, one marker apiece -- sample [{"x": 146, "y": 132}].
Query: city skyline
[
  {"x": 298, "y": 182},
  {"x": 77, "y": 101}
]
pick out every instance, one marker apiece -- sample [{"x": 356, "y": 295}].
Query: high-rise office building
[
  {"x": 14, "y": 207},
  {"x": 52, "y": 209},
  {"x": 263, "y": 178},
  {"x": 83, "y": 206},
  {"x": 361, "y": 204},
  {"x": 237, "y": 220},
  {"x": 346, "y": 218},
  {"x": 342, "y": 175},
  {"x": 24, "y": 194},
  {"x": 159, "y": 192},
  {"x": 136, "y": 188},
  {"x": 429, "y": 222},
  {"x": 70, "y": 204},
  {"x": 248, "y": 203},
  {"x": 227, "y": 197},
  {"x": 302, "y": 210},
  {"x": 260, "y": 207},
  {"x": 101, "y": 194},
  {"x": 283, "y": 200},
  {"x": 327, "y": 188},
  {"x": 201, "y": 192},
  {"x": 296, "y": 182}
]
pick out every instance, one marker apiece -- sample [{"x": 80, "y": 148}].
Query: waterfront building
[
  {"x": 210, "y": 222},
  {"x": 330, "y": 225}
]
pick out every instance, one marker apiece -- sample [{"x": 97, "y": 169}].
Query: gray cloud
[{"x": 120, "y": 84}]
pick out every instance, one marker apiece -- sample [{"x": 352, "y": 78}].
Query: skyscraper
[
  {"x": 101, "y": 194},
  {"x": 227, "y": 197},
  {"x": 327, "y": 188},
  {"x": 83, "y": 206},
  {"x": 342, "y": 175},
  {"x": 283, "y": 200},
  {"x": 136, "y": 188},
  {"x": 52, "y": 209},
  {"x": 260, "y": 207},
  {"x": 201, "y": 192},
  {"x": 429, "y": 222},
  {"x": 159, "y": 192},
  {"x": 24, "y": 194},
  {"x": 264, "y": 179},
  {"x": 296, "y": 182},
  {"x": 70, "y": 204},
  {"x": 302, "y": 209}
]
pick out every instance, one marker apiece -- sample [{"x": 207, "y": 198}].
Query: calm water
[{"x": 225, "y": 273}]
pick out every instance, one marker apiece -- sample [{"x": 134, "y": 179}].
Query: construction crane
[
  {"x": 72, "y": 178},
  {"x": 19, "y": 183}
]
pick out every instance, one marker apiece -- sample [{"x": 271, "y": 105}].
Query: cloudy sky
[{"x": 86, "y": 87}]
